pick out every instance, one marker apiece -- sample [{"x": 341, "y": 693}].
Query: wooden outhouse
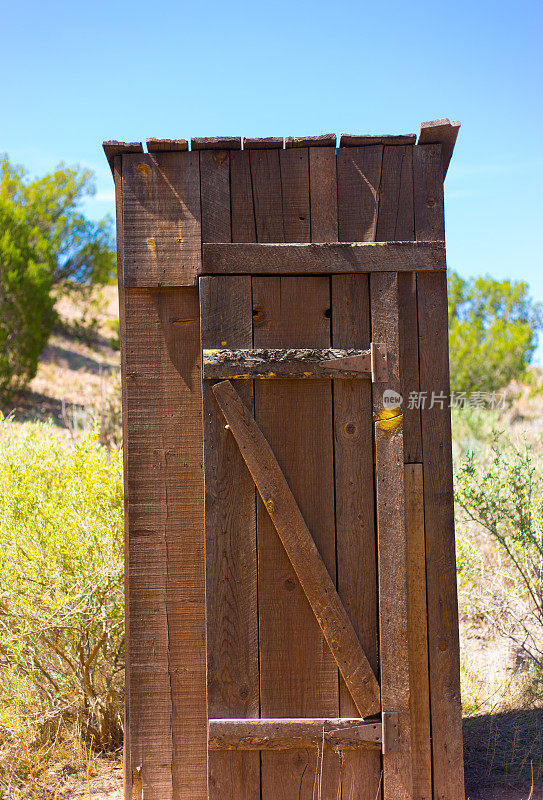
[{"x": 291, "y": 612}]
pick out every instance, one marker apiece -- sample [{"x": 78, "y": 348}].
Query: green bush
[
  {"x": 501, "y": 500},
  {"x": 493, "y": 329},
  {"x": 61, "y": 583},
  {"x": 26, "y": 306}
]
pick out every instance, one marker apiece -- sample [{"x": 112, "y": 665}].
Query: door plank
[
  {"x": 358, "y": 178},
  {"x": 445, "y": 704},
  {"x": 232, "y": 616},
  {"x": 301, "y": 550},
  {"x": 322, "y": 258},
  {"x": 286, "y": 734},
  {"x": 294, "y": 165},
  {"x": 418, "y": 632},
  {"x": 396, "y": 221},
  {"x": 323, "y": 193},
  {"x": 359, "y": 175},
  {"x": 300, "y": 363},
  {"x": 392, "y": 550},
  {"x": 355, "y": 518},
  {"x": 299, "y": 676}
]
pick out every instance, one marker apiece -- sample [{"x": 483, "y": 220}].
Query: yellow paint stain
[
  {"x": 270, "y": 506},
  {"x": 389, "y": 419},
  {"x": 223, "y": 344},
  {"x": 151, "y": 244},
  {"x": 145, "y": 169}
]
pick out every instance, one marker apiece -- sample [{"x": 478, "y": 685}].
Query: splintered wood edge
[
  {"x": 286, "y": 734},
  {"x": 443, "y": 132},
  {"x": 355, "y": 140},
  {"x": 166, "y": 145},
  {"x": 265, "y": 143},
  {"x": 323, "y": 140},
  {"x": 215, "y": 143},
  {"x": 113, "y": 148}
]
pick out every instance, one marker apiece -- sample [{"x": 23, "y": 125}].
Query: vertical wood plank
[
  {"x": 396, "y": 222},
  {"x": 359, "y": 175},
  {"x": 166, "y": 550},
  {"x": 298, "y": 674},
  {"x": 355, "y": 521},
  {"x": 294, "y": 165},
  {"x": 226, "y": 314},
  {"x": 445, "y": 703},
  {"x": 418, "y": 632},
  {"x": 161, "y": 218},
  {"x": 358, "y": 179},
  {"x": 392, "y": 549},
  {"x": 215, "y": 195},
  {"x": 128, "y": 730},
  {"x": 241, "y": 197},
  {"x": 267, "y": 198},
  {"x": 232, "y": 613},
  {"x": 323, "y": 191}
]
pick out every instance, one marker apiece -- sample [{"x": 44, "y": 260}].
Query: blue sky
[{"x": 73, "y": 74}]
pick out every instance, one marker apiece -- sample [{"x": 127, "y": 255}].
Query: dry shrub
[{"x": 61, "y": 590}]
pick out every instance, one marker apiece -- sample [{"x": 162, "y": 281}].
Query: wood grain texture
[
  {"x": 447, "y": 756},
  {"x": 299, "y": 676},
  {"x": 160, "y": 145},
  {"x": 215, "y": 195},
  {"x": 265, "y": 143},
  {"x": 396, "y": 220},
  {"x": 161, "y": 212},
  {"x": 418, "y": 631},
  {"x": 392, "y": 550},
  {"x": 127, "y": 769},
  {"x": 112, "y": 149},
  {"x": 215, "y": 143},
  {"x": 286, "y": 734},
  {"x": 355, "y": 140},
  {"x": 232, "y": 609},
  {"x": 322, "y": 140},
  {"x": 359, "y": 176},
  {"x": 323, "y": 194},
  {"x": 267, "y": 195},
  {"x": 166, "y": 548},
  {"x": 241, "y": 197},
  {"x": 355, "y": 518},
  {"x": 300, "y": 363},
  {"x": 327, "y": 258},
  {"x": 295, "y": 194},
  {"x": 443, "y": 132},
  {"x": 301, "y": 550}
]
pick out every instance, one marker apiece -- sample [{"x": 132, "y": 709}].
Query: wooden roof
[{"x": 439, "y": 131}]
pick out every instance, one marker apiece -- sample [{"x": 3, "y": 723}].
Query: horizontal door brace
[
  {"x": 301, "y": 551},
  {"x": 286, "y": 734},
  {"x": 304, "y": 363},
  {"x": 326, "y": 258}
]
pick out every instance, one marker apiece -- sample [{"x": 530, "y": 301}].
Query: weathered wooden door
[{"x": 281, "y": 642}]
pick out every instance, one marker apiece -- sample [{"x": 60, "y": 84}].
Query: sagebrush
[
  {"x": 61, "y": 586},
  {"x": 500, "y": 499}
]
